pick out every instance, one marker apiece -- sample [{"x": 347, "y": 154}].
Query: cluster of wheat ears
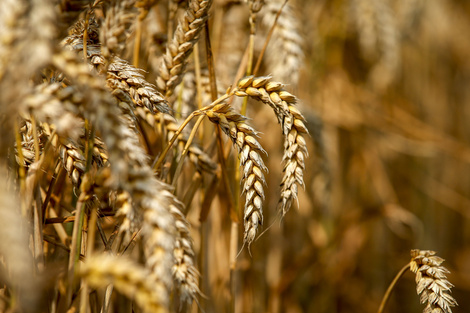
[{"x": 87, "y": 138}]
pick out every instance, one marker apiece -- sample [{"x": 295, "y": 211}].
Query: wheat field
[{"x": 234, "y": 156}]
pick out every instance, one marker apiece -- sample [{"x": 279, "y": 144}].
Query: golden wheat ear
[
  {"x": 129, "y": 278},
  {"x": 249, "y": 149},
  {"x": 292, "y": 126},
  {"x": 431, "y": 281},
  {"x": 178, "y": 50}
]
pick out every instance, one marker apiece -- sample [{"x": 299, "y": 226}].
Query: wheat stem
[
  {"x": 391, "y": 286},
  {"x": 186, "y": 149}
]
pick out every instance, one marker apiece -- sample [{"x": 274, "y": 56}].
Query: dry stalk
[{"x": 293, "y": 128}]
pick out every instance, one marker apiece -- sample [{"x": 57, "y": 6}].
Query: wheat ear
[
  {"x": 286, "y": 47},
  {"x": 431, "y": 281},
  {"x": 293, "y": 128},
  {"x": 244, "y": 137},
  {"x": 178, "y": 50},
  {"x": 129, "y": 278},
  {"x": 129, "y": 168},
  {"x": 184, "y": 270},
  {"x": 121, "y": 75}
]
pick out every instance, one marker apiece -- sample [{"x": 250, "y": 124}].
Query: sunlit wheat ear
[
  {"x": 286, "y": 46},
  {"x": 128, "y": 278},
  {"x": 252, "y": 165},
  {"x": 431, "y": 281},
  {"x": 293, "y": 128},
  {"x": 185, "y": 272},
  {"x": 178, "y": 50}
]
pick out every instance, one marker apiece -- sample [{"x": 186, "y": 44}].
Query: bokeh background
[{"x": 385, "y": 88}]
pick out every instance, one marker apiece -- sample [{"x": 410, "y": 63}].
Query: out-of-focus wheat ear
[
  {"x": 378, "y": 38},
  {"x": 178, "y": 50},
  {"x": 129, "y": 168},
  {"x": 431, "y": 281},
  {"x": 130, "y": 218},
  {"x": 286, "y": 47},
  {"x": 185, "y": 272},
  {"x": 26, "y": 33},
  {"x": 14, "y": 249},
  {"x": 115, "y": 29},
  {"x": 292, "y": 126},
  {"x": 249, "y": 150},
  {"x": 129, "y": 278},
  {"x": 52, "y": 104},
  {"x": 27, "y": 142}
]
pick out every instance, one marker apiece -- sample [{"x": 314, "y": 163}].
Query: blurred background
[{"x": 385, "y": 88}]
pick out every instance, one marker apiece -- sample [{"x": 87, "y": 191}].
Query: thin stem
[
  {"x": 138, "y": 38},
  {"x": 36, "y": 140},
  {"x": 158, "y": 162},
  {"x": 186, "y": 149},
  {"x": 21, "y": 169},
  {"x": 392, "y": 285}
]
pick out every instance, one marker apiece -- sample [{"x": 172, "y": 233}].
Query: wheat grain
[
  {"x": 293, "y": 128},
  {"x": 129, "y": 278},
  {"x": 249, "y": 149},
  {"x": 431, "y": 281},
  {"x": 185, "y": 36}
]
